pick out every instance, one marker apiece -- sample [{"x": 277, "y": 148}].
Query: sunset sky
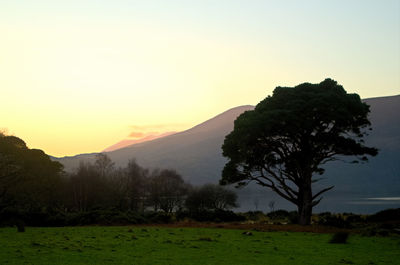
[{"x": 78, "y": 76}]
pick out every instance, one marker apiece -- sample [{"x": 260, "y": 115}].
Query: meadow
[{"x": 167, "y": 245}]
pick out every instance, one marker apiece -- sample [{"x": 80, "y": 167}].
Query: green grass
[{"x": 151, "y": 245}]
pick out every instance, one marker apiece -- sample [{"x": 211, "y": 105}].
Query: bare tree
[
  {"x": 104, "y": 164},
  {"x": 167, "y": 190},
  {"x": 271, "y": 206},
  {"x": 256, "y": 202},
  {"x": 136, "y": 179}
]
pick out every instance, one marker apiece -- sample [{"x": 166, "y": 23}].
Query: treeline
[
  {"x": 134, "y": 188},
  {"x": 34, "y": 189}
]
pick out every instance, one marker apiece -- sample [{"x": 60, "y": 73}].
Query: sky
[{"x": 79, "y": 76}]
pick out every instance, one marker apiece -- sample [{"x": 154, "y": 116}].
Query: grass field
[{"x": 152, "y": 245}]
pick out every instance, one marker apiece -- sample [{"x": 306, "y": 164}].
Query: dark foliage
[
  {"x": 105, "y": 217},
  {"x": 385, "y": 216},
  {"x": 278, "y": 214},
  {"x": 355, "y": 219},
  {"x": 382, "y": 229},
  {"x": 54, "y": 219},
  {"x": 159, "y": 217},
  {"x": 293, "y": 217},
  {"x": 284, "y": 216},
  {"x": 333, "y": 220},
  {"x": 254, "y": 216},
  {"x": 211, "y": 216}
]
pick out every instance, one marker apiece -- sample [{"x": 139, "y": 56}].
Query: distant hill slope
[{"x": 196, "y": 154}]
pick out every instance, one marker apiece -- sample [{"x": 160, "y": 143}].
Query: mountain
[{"x": 196, "y": 154}]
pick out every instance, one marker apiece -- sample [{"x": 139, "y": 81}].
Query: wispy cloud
[
  {"x": 135, "y": 134},
  {"x": 156, "y": 127},
  {"x": 154, "y": 130}
]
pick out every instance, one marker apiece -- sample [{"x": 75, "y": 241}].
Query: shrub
[
  {"x": 278, "y": 214},
  {"x": 158, "y": 217},
  {"x": 355, "y": 218},
  {"x": 104, "y": 217},
  {"x": 293, "y": 217},
  {"x": 333, "y": 220},
  {"x": 339, "y": 238},
  {"x": 256, "y": 216},
  {"x": 382, "y": 229},
  {"x": 20, "y": 226},
  {"x": 211, "y": 216}
]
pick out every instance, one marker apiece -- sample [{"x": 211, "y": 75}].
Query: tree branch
[
  {"x": 322, "y": 191},
  {"x": 283, "y": 190}
]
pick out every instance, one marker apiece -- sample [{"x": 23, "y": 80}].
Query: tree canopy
[
  {"x": 27, "y": 176},
  {"x": 284, "y": 142}
]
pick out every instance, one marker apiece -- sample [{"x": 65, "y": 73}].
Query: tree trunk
[{"x": 305, "y": 204}]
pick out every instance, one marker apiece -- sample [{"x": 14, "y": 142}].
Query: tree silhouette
[
  {"x": 166, "y": 190},
  {"x": 210, "y": 197},
  {"x": 284, "y": 142},
  {"x": 104, "y": 164},
  {"x": 136, "y": 179}
]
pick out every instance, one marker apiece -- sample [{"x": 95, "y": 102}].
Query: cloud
[
  {"x": 136, "y": 134},
  {"x": 158, "y": 127},
  {"x": 154, "y": 130}
]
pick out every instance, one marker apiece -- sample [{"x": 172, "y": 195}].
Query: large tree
[{"x": 283, "y": 143}]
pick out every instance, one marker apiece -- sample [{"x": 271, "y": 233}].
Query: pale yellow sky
[{"x": 79, "y": 81}]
